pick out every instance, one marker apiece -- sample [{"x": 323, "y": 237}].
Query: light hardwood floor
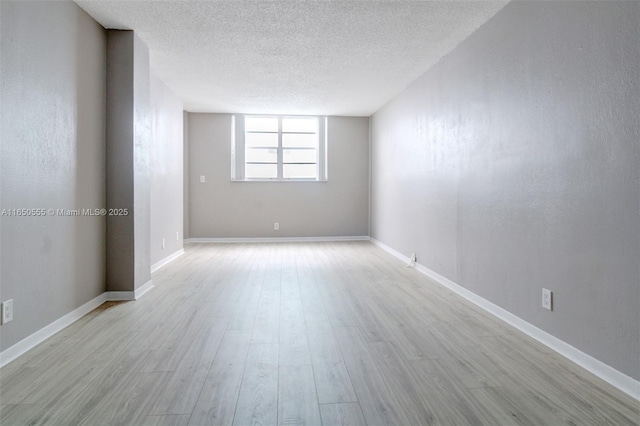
[{"x": 299, "y": 334}]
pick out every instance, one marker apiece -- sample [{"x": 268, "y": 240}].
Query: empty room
[{"x": 319, "y": 212}]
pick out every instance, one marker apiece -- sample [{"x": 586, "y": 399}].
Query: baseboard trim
[
  {"x": 61, "y": 323},
  {"x": 119, "y": 296},
  {"x": 44, "y": 333},
  {"x": 141, "y": 291},
  {"x": 275, "y": 239},
  {"x": 173, "y": 256},
  {"x": 626, "y": 384}
]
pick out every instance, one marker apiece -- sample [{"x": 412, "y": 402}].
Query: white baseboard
[
  {"x": 58, "y": 325},
  {"x": 43, "y": 334},
  {"x": 118, "y": 296},
  {"x": 141, "y": 291},
  {"x": 113, "y": 296},
  {"x": 609, "y": 374},
  {"x": 275, "y": 239},
  {"x": 166, "y": 260}
]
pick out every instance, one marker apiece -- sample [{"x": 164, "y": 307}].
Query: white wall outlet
[
  {"x": 177, "y": 236},
  {"x": 547, "y": 299},
  {"x": 276, "y": 226},
  {"x": 202, "y": 179},
  {"x": 7, "y": 311},
  {"x": 163, "y": 243}
]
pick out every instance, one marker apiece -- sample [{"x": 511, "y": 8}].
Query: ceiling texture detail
[{"x": 293, "y": 57}]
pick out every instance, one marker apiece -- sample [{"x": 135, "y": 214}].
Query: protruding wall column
[{"x": 128, "y": 162}]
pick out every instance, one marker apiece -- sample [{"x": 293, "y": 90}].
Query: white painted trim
[
  {"x": 612, "y": 376},
  {"x": 58, "y": 325},
  {"x": 275, "y": 239},
  {"x": 117, "y": 296},
  {"x": 44, "y": 333},
  {"x": 390, "y": 250},
  {"x": 141, "y": 291},
  {"x": 173, "y": 256}
]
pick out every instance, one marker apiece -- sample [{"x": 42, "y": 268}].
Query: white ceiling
[{"x": 293, "y": 57}]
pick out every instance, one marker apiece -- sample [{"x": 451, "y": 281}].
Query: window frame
[{"x": 238, "y": 151}]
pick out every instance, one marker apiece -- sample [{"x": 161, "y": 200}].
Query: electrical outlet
[
  {"x": 163, "y": 243},
  {"x": 177, "y": 236},
  {"x": 7, "y": 311},
  {"x": 202, "y": 179},
  {"x": 547, "y": 299},
  {"x": 276, "y": 226}
]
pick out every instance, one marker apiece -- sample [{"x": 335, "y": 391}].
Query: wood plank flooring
[{"x": 299, "y": 334}]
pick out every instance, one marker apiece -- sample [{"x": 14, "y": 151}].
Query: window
[{"x": 279, "y": 148}]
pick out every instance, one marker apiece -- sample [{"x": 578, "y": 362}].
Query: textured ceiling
[{"x": 295, "y": 57}]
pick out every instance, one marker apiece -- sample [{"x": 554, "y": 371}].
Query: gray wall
[
  {"x": 120, "y": 103},
  {"x": 142, "y": 161},
  {"x": 128, "y": 136},
  {"x": 185, "y": 174},
  {"x": 512, "y": 165},
  {"x": 225, "y": 209},
  {"x": 166, "y": 170},
  {"x": 53, "y": 156}
]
